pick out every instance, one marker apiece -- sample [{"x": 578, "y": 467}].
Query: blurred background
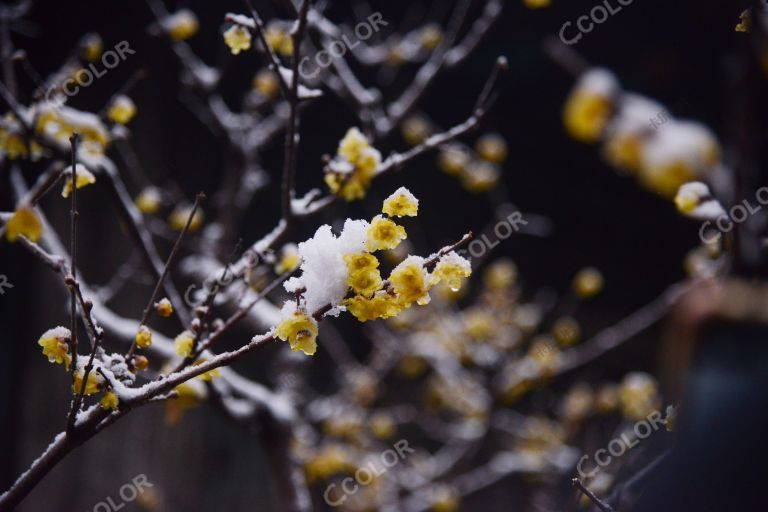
[{"x": 680, "y": 53}]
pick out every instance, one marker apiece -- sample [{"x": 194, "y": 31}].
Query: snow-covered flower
[
  {"x": 181, "y": 25},
  {"x": 148, "y": 201},
  {"x": 298, "y": 328},
  {"x": 238, "y": 38},
  {"x": 383, "y": 233},
  {"x": 410, "y": 281},
  {"x": 92, "y": 46},
  {"x": 279, "y": 39},
  {"x": 401, "y": 203},
  {"x": 290, "y": 259},
  {"x": 23, "y": 222},
  {"x": 324, "y": 273},
  {"x": 143, "y": 337},
  {"x": 55, "y": 343},
  {"x": 681, "y": 151},
  {"x": 451, "y": 268},
  {"x": 184, "y": 343},
  {"x": 84, "y": 178},
  {"x": 590, "y": 105},
  {"x": 122, "y": 109},
  {"x": 93, "y": 385},
  {"x": 164, "y": 307},
  {"x": 694, "y": 200}
]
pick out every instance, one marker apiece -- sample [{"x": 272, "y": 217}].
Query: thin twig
[{"x": 589, "y": 494}]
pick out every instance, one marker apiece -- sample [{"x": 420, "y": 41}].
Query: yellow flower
[
  {"x": 384, "y": 234},
  {"x": 624, "y": 152},
  {"x": 451, "y": 268},
  {"x": 686, "y": 201},
  {"x": 210, "y": 374},
  {"x": 382, "y": 425},
  {"x": 238, "y": 38},
  {"x": 94, "y": 384},
  {"x": 588, "y": 282},
  {"x": 537, "y": 4},
  {"x": 279, "y": 40},
  {"x": 410, "y": 281},
  {"x": 164, "y": 307},
  {"x": 179, "y": 216},
  {"x": 92, "y": 47},
  {"x": 444, "y": 498},
  {"x": 500, "y": 275},
  {"x": 289, "y": 259},
  {"x": 360, "y": 261},
  {"x": 400, "y": 204},
  {"x": 300, "y": 330},
  {"x": 148, "y": 201},
  {"x": 365, "y": 282},
  {"x": 13, "y": 145},
  {"x": 745, "y": 22},
  {"x": 184, "y": 343},
  {"x": 84, "y": 178},
  {"x": 353, "y": 144},
  {"x": 55, "y": 343},
  {"x": 453, "y": 160},
  {"x": 24, "y": 221},
  {"x": 143, "y": 337},
  {"x": 566, "y": 331},
  {"x": 122, "y": 109},
  {"x": 141, "y": 363},
  {"x": 415, "y": 130},
  {"x": 492, "y": 148},
  {"x": 431, "y": 36},
  {"x": 586, "y": 115},
  {"x": 266, "y": 83},
  {"x": 480, "y": 176},
  {"x": 638, "y": 395},
  {"x": 381, "y": 305},
  {"x": 331, "y": 460},
  {"x": 667, "y": 179},
  {"x": 480, "y": 325},
  {"x": 109, "y": 401},
  {"x": 181, "y": 25}
]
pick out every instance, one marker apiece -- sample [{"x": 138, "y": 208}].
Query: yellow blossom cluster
[
  {"x": 57, "y": 124},
  {"x": 478, "y": 168},
  {"x": 639, "y": 135},
  {"x": 349, "y": 175}
]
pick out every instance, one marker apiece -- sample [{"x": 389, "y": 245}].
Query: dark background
[{"x": 680, "y": 53}]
